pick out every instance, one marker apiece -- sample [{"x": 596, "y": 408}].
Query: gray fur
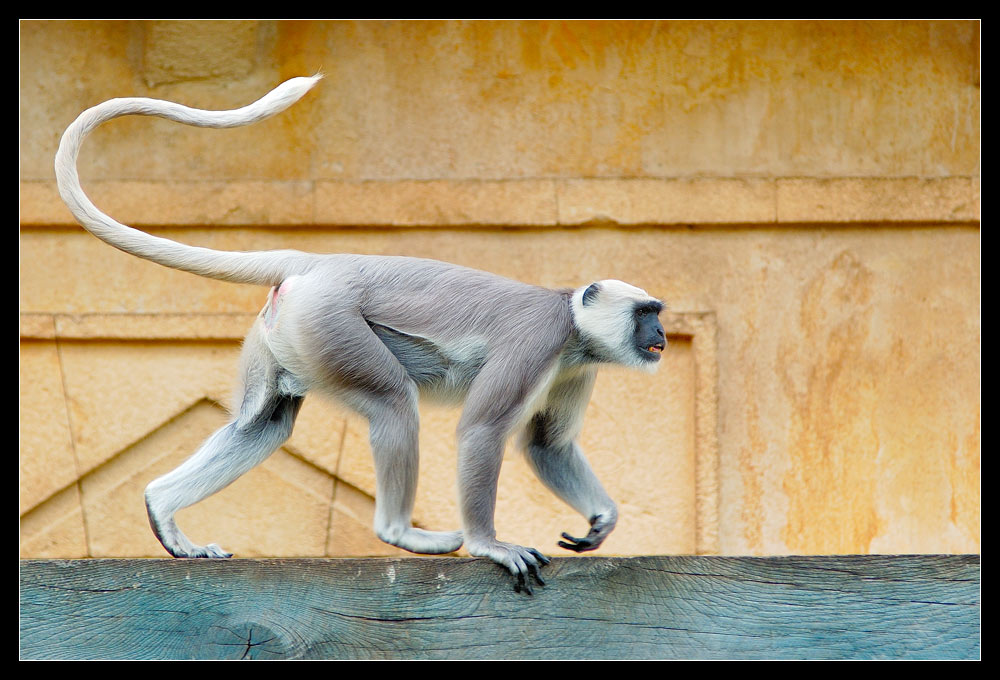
[{"x": 377, "y": 333}]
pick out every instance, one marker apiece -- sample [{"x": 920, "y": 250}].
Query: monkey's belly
[{"x": 440, "y": 375}]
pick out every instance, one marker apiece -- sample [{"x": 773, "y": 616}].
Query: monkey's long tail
[{"x": 266, "y": 268}]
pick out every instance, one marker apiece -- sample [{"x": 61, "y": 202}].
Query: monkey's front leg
[
  {"x": 563, "y": 468},
  {"x": 480, "y": 454}
]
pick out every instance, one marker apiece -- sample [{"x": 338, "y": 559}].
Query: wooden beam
[{"x": 840, "y": 607}]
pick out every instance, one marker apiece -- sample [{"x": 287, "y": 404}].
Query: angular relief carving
[{"x": 315, "y": 495}]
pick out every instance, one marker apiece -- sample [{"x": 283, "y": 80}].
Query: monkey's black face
[{"x": 650, "y": 340}]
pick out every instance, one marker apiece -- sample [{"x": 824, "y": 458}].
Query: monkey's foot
[
  {"x": 177, "y": 544},
  {"x": 520, "y": 561},
  {"x": 210, "y": 550},
  {"x": 425, "y": 542}
]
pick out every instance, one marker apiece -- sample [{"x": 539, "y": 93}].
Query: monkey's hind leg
[
  {"x": 373, "y": 382},
  {"x": 264, "y": 423},
  {"x": 393, "y": 427}
]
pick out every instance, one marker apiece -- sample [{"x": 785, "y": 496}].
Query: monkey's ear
[{"x": 590, "y": 295}]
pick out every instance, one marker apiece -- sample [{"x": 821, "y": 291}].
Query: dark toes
[
  {"x": 522, "y": 585},
  {"x": 539, "y": 556},
  {"x": 577, "y": 544}
]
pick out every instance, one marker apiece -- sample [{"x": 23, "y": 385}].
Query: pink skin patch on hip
[{"x": 270, "y": 311}]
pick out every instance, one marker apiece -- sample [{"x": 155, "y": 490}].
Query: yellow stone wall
[{"x": 805, "y": 196}]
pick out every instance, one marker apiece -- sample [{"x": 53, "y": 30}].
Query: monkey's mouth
[{"x": 655, "y": 349}]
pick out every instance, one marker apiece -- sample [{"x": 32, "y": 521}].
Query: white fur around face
[{"x": 608, "y": 322}]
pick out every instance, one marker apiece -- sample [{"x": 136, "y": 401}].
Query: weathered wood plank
[{"x": 857, "y": 607}]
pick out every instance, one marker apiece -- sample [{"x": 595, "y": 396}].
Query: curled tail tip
[
  {"x": 305, "y": 83},
  {"x": 315, "y": 78},
  {"x": 290, "y": 91}
]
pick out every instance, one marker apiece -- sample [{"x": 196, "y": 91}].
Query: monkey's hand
[
  {"x": 600, "y": 526},
  {"x": 520, "y": 561}
]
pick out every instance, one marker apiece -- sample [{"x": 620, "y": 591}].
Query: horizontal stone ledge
[
  {"x": 818, "y": 607},
  {"x": 150, "y": 203},
  {"x": 528, "y": 203},
  {"x": 878, "y": 200},
  {"x": 40, "y": 326}
]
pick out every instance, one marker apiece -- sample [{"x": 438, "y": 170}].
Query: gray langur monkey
[{"x": 376, "y": 332}]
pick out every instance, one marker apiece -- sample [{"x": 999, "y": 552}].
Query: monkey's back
[{"x": 441, "y": 321}]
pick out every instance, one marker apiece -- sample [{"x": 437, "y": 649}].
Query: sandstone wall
[{"x": 804, "y": 195}]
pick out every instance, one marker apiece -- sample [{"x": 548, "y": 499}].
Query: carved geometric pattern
[{"x": 135, "y": 409}]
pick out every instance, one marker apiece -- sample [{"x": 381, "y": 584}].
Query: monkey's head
[{"x": 619, "y": 323}]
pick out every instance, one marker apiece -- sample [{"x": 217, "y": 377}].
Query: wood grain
[{"x": 842, "y": 607}]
